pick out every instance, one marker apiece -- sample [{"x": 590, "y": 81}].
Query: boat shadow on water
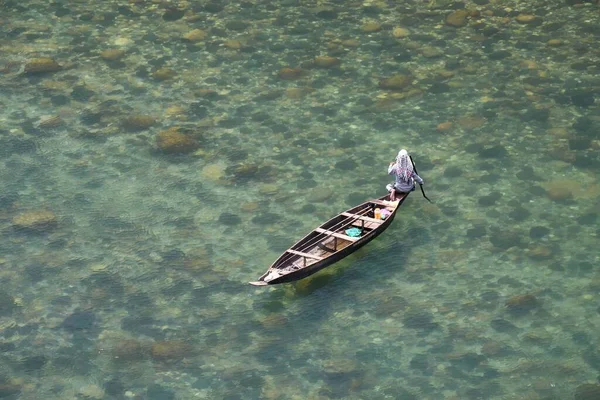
[
  {"x": 296, "y": 310},
  {"x": 367, "y": 267},
  {"x": 291, "y": 312}
]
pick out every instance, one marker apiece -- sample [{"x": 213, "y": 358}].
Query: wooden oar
[{"x": 416, "y": 172}]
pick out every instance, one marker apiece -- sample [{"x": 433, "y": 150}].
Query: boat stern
[{"x": 258, "y": 283}]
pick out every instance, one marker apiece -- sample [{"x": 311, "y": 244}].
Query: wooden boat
[{"x": 329, "y": 243}]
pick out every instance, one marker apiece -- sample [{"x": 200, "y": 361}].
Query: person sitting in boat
[{"x": 405, "y": 174}]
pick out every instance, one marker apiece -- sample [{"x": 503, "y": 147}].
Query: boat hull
[{"x": 312, "y": 240}]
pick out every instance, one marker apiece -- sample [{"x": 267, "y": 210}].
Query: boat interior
[{"x": 333, "y": 235}]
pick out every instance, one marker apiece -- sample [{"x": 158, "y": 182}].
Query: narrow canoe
[{"x": 329, "y": 243}]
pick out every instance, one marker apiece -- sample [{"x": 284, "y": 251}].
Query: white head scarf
[{"x": 404, "y": 167}]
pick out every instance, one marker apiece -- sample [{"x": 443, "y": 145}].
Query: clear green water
[{"x": 124, "y": 269}]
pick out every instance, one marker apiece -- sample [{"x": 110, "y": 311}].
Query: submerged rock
[
  {"x": 7, "y": 304},
  {"x": 538, "y": 232},
  {"x": 395, "y": 82},
  {"x": 172, "y": 141},
  {"x": 274, "y": 321},
  {"x": 49, "y": 122},
  {"x": 213, "y": 172},
  {"x": 173, "y": 14},
  {"x": 140, "y": 122},
  {"x": 371, "y": 27},
  {"x": 233, "y": 44},
  {"x": 526, "y": 18},
  {"x": 339, "y": 367},
  {"x": 587, "y": 391},
  {"x": 416, "y": 319},
  {"x": 505, "y": 239},
  {"x": 42, "y": 65},
  {"x": 266, "y": 218},
  {"x": 503, "y": 326},
  {"x": 457, "y": 18},
  {"x": 79, "y": 320},
  {"x": 466, "y": 361},
  {"x": 557, "y": 192},
  {"x": 9, "y": 389},
  {"x": 229, "y": 219},
  {"x": 251, "y": 171},
  {"x": 237, "y": 25},
  {"x": 400, "y": 32},
  {"x": 542, "y": 252},
  {"x": 170, "y": 350},
  {"x": 196, "y": 35},
  {"x": 391, "y": 305},
  {"x": 82, "y": 93},
  {"x": 34, "y": 363},
  {"x": 319, "y": 195},
  {"x": 91, "y": 391},
  {"x": 326, "y": 61},
  {"x": 112, "y": 54},
  {"x": 163, "y": 74},
  {"x": 493, "y": 348},
  {"x": 128, "y": 350},
  {"x": 288, "y": 73},
  {"x": 37, "y": 220},
  {"x": 158, "y": 392},
  {"x": 521, "y": 304}
]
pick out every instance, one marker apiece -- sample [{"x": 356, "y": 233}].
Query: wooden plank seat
[
  {"x": 383, "y": 203},
  {"x": 367, "y": 219},
  {"x": 367, "y": 225},
  {"x": 337, "y": 235},
  {"x": 307, "y": 255}
]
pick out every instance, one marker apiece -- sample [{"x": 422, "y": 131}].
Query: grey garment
[{"x": 402, "y": 185}]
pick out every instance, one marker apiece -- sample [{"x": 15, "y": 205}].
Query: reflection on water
[{"x": 158, "y": 156}]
